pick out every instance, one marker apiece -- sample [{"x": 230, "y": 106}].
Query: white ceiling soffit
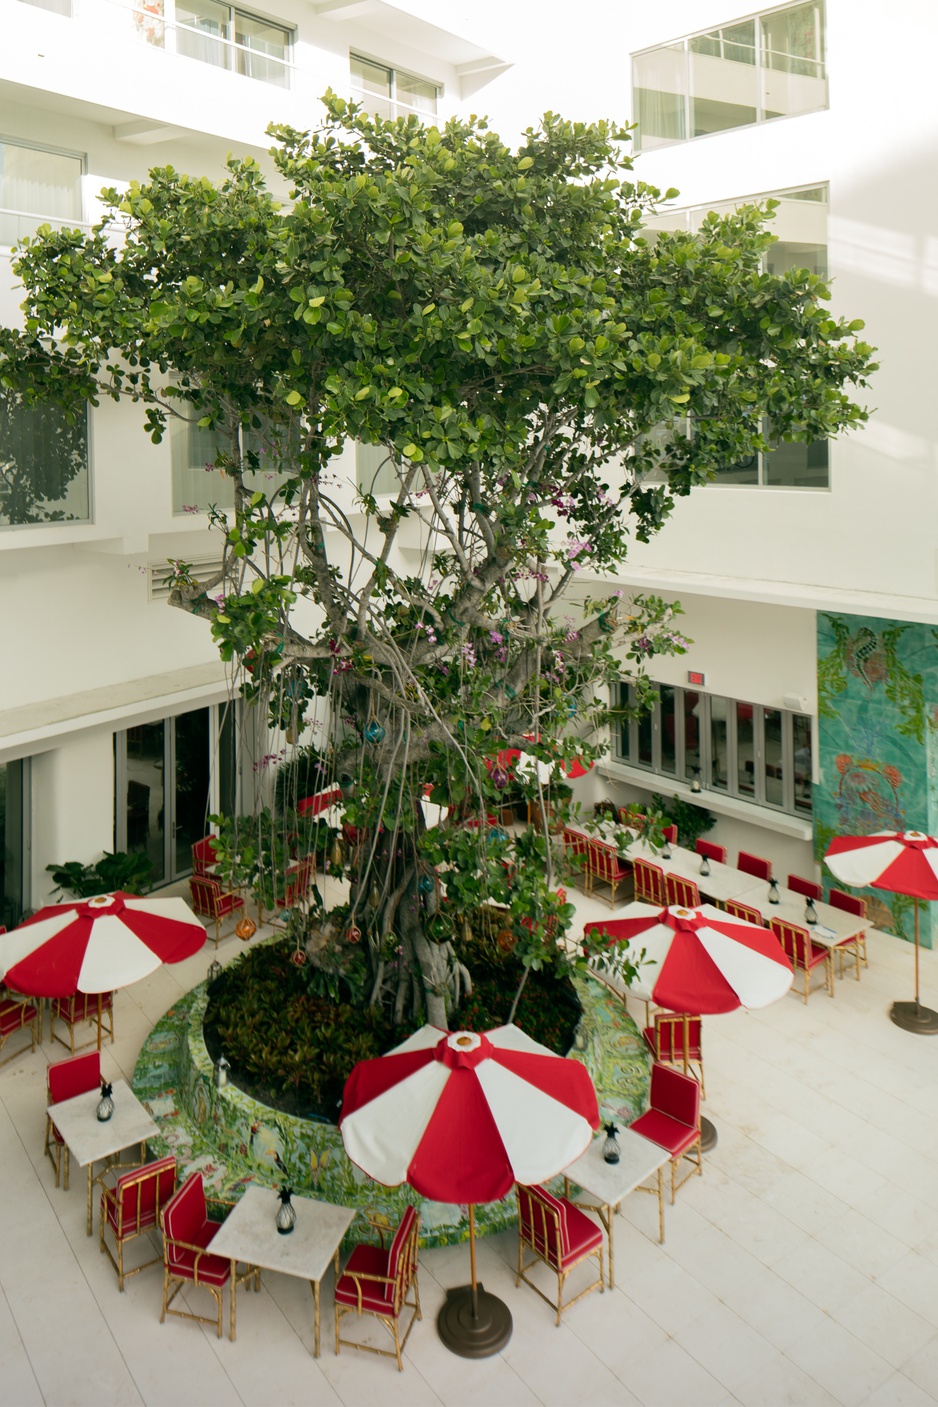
[{"x": 409, "y": 27}]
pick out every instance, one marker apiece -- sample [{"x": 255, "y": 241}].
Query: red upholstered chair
[
  {"x": 605, "y": 867},
  {"x": 209, "y": 900},
  {"x": 650, "y": 883},
  {"x": 670, "y": 834},
  {"x": 711, "y": 851},
  {"x": 667, "y": 1043},
  {"x": 131, "y": 1202},
  {"x": 804, "y": 955},
  {"x": 745, "y": 912},
  {"x": 17, "y": 1015},
  {"x": 854, "y": 947},
  {"x": 187, "y": 1258},
  {"x": 376, "y": 1281},
  {"x": 204, "y": 856},
  {"x": 754, "y": 864},
  {"x": 683, "y": 893},
  {"x": 560, "y": 1235},
  {"x": 806, "y": 887},
  {"x": 72, "y": 1011},
  {"x": 296, "y": 883},
  {"x": 64, "y": 1080},
  {"x": 575, "y": 843},
  {"x": 673, "y": 1120}
]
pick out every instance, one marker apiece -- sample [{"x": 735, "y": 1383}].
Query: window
[
  {"x": 770, "y": 65},
  {"x": 198, "y": 485},
  {"x": 230, "y": 38},
  {"x": 43, "y": 464},
  {"x": 37, "y": 186},
  {"x": 390, "y": 92},
  {"x": 741, "y": 749},
  {"x": 375, "y": 470},
  {"x": 800, "y": 227}
]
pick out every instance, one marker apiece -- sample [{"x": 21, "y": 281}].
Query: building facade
[{"x": 808, "y": 577}]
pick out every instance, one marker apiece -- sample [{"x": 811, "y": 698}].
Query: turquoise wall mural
[{"x": 878, "y": 742}]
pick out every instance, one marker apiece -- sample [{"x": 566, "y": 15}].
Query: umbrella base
[
  {"x": 920, "y": 1020},
  {"x": 708, "y": 1136},
  {"x": 488, "y": 1333}
]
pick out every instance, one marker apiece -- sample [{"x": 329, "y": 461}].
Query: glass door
[
  {"x": 191, "y": 740},
  {"x": 144, "y": 803},
  {"x": 163, "y": 780},
  {"x": 14, "y": 841}
]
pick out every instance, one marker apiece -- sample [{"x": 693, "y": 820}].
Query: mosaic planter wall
[
  {"x": 233, "y": 1140},
  {"x": 877, "y": 716}
]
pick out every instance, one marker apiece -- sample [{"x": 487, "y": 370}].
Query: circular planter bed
[{"x": 233, "y": 1137}]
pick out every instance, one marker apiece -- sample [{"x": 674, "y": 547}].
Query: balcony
[{"x": 171, "y": 67}]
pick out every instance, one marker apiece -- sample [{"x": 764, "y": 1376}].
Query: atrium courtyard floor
[{"x": 802, "y": 1268}]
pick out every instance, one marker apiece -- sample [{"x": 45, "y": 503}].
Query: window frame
[
  {"x": 233, "y": 48},
  {"x": 681, "y": 773},
  {"x": 398, "y": 109},
  {"x": 760, "y": 67},
  {"x": 60, "y": 221}
]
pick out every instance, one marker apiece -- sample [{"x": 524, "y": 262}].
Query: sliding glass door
[
  {"x": 169, "y": 776},
  {"x": 14, "y": 841}
]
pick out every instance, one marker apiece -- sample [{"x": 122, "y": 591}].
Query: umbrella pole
[
  {"x": 912, "y": 1016},
  {"x": 708, "y": 1133},
  {"x": 99, "y": 1023},
  {"x": 472, "y": 1260},
  {"x": 473, "y": 1323}
]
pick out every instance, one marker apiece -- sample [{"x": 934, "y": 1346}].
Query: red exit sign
[{"x": 694, "y": 676}]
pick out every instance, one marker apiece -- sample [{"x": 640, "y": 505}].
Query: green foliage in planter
[
  {"x": 288, "y": 1044},
  {"x": 117, "y": 870},
  {"x": 692, "y": 821}
]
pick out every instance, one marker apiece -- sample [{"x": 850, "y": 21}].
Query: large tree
[{"x": 544, "y": 379}]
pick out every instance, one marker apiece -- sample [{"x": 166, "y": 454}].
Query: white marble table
[
  {"x": 833, "y": 927},
  {"x": 250, "y": 1234},
  {"x": 606, "y": 1184},
  {"x": 89, "y": 1140}
]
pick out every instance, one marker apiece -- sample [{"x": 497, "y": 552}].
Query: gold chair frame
[
  {"x": 401, "y": 1283},
  {"x": 544, "y": 1211},
  {"x": 217, "y": 1291},
  {"x": 116, "y": 1170}
]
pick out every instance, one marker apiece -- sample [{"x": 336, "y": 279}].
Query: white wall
[{"x": 73, "y": 806}]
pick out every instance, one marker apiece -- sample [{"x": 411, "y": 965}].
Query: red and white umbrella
[
  {"x": 462, "y": 1117},
  {"x": 97, "y": 945},
  {"x": 902, "y": 862},
  {"x": 701, "y": 961}
]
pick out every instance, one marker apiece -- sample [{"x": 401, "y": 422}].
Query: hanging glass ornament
[
  {"x": 353, "y": 934},
  {"x": 425, "y": 884},
  {"x": 499, "y": 778},
  {"x": 374, "y": 897},
  {"x": 374, "y": 733},
  {"x": 338, "y": 852}
]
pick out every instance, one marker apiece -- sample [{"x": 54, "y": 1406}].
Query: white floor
[{"x": 802, "y": 1268}]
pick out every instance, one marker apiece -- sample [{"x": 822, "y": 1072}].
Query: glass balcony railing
[
  {"x": 16, "y": 224},
  {"x": 149, "y": 22}
]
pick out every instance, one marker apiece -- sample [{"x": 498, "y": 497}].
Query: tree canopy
[{"x": 544, "y": 379}]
